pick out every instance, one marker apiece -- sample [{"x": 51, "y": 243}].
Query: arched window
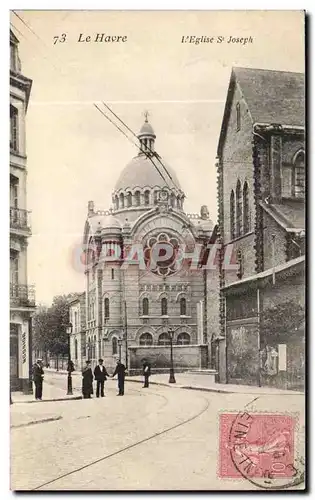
[
  {"x": 156, "y": 197},
  {"x": 137, "y": 198},
  {"x": 238, "y": 209},
  {"x": 116, "y": 202},
  {"x": 145, "y": 306},
  {"x": 232, "y": 215},
  {"x": 182, "y": 304},
  {"x": 299, "y": 175},
  {"x": 245, "y": 208},
  {"x": 179, "y": 203},
  {"x": 76, "y": 324},
  {"x": 114, "y": 345},
  {"x": 146, "y": 339},
  {"x": 183, "y": 339},
  {"x": 164, "y": 306},
  {"x": 147, "y": 197},
  {"x": 121, "y": 201},
  {"x": 129, "y": 199},
  {"x": 75, "y": 349},
  {"x": 164, "y": 339},
  {"x": 106, "y": 308}
]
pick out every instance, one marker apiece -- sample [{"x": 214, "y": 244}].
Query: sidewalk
[
  {"x": 203, "y": 383},
  {"x": 195, "y": 381},
  {"x": 50, "y": 393}
]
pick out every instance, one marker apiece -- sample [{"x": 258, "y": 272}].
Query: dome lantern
[{"x": 146, "y": 136}]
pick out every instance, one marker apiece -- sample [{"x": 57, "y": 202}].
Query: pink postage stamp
[{"x": 257, "y": 446}]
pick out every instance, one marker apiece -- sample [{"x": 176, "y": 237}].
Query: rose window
[{"x": 161, "y": 254}]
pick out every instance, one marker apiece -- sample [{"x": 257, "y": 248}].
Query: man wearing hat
[
  {"x": 38, "y": 375},
  {"x": 100, "y": 374}
]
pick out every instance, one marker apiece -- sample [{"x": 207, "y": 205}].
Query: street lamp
[
  {"x": 119, "y": 346},
  {"x": 70, "y": 368},
  {"x": 172, "y": 377}
]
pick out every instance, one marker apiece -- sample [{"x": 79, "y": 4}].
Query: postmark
[{"x": 261, "y": 448}]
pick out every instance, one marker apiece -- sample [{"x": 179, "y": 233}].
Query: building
[
  {"x": 22, "y": 299},
  {"x": 135, "y": 291},
  {"x": 78, "y": 346},
  {"x": 261, "y": 190}
]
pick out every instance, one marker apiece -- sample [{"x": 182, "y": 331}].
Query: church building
[
  {"x": 261, "y": 200},
  {"x": 146, "y": 285}
]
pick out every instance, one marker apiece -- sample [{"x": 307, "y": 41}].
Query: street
[{"x": 161, "y": 438}]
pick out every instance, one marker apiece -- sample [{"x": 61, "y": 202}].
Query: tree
[
  {"x": 280, "y": 322},
  {"x": 40, "y": 328},
  {"x": 50, "y": 326}
]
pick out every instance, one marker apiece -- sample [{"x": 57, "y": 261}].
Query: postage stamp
[{"x": 259, "y": 447}]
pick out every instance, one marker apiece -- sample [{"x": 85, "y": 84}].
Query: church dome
[
  {"x": 111, "y": 222},
  {"x": 143, "y": 172},
  {"x": 110, "y": 226},
  {"x": 147, "y": 169}
]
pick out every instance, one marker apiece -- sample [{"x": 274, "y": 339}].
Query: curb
[
  {"x": 33, "y": 422},
  {"x": 220, "y": 391},
  {"x": 74, "y": 398}
]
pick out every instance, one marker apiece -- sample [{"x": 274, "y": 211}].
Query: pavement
[
  {"x": 196, "y": 381},
  {"x": 50, "y": 393},
  {"x": 151, "y": 439},
  {"x": 203, "y": 383}
]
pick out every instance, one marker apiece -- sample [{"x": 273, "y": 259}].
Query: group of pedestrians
[{"x": 101, "y": 374}]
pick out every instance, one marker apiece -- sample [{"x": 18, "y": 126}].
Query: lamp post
[
  {"x": 70, "y": 364},
  {"x": 172, "y": 377},
  {"x": 119, "y": 346}
]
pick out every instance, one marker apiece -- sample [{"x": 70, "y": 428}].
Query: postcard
[{"x": 157, "y": 250}]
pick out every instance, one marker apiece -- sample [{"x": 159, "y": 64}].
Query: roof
[
  {"x": 13, "y": 38},
  {"x": 289, "y": 214},
  {"x": 142, "y": 172},
  {"x": 293, "y": 264},
  {"x": 271, "y": 96},
  {"x": 146, "y": 129},
  {"x": 76, "y": 298}
]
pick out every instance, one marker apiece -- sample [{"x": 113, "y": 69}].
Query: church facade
[{"x": 146, "y": 279}]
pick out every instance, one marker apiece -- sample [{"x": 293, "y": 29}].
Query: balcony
[
  {"x": 22, "y": 295},
  {"x": 19, "y": 219}
]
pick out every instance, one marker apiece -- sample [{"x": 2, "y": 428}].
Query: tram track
[{"x": 132, "y": 445}]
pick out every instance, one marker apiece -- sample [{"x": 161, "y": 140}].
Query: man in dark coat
[
  {"x": 87, "y": 380},
  {"x": 146, "y": 373},
  {"x": 38, "y": 375},
  {"x": 120, "y": 372},
  {"x": 100, "y": 374}
]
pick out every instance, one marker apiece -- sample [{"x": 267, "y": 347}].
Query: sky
[{"x": 76, "y": 155}]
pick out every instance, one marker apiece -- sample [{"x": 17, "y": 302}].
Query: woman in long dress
[{"x": 87, "y": 380}]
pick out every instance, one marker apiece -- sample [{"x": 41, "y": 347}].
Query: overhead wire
[
  {"x": 147, "y": 154},
  {"x": 129, "y": 139},
  {"x": 153, "y": 153}
]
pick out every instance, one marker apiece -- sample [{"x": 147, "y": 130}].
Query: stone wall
[{"x": 185, "y": 357}]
